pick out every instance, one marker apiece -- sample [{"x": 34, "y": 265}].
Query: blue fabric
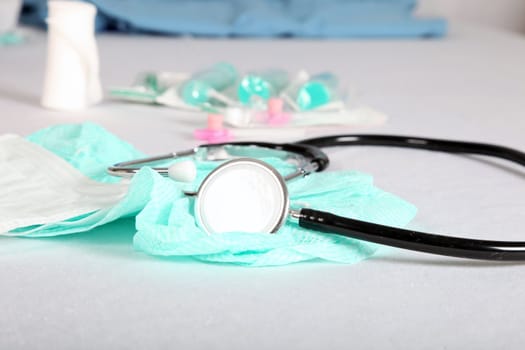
[{"x": 303, "y": 18}]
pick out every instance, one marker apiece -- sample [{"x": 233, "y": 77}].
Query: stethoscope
[{"x": 245, "y": 194}]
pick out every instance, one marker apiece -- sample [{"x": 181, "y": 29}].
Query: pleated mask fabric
[{"x": 166, "y": 225}]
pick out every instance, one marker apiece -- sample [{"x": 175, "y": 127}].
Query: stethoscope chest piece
[{"x": 242, "y": 195}]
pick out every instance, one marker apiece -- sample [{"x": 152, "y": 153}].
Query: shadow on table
[
  {"x": 510, "y": 168},
  {"x": 442, "y": 261},
  {"x": 19, "y": 96},
  {"x": 114, "y": 239},
  {"x": 116, "y": 233}
]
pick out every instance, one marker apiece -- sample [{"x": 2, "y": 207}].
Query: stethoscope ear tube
[
  {"x": 429, "y": 144},
  {"x": 411, "y": 240}
]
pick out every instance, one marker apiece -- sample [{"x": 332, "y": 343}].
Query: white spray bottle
[{"x": 72, "y": 80}]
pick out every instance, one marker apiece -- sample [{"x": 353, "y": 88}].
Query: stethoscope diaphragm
[{"x": 242, "y": 195}]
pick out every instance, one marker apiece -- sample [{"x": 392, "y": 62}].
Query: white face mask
[{"x": 37, "y": 187}]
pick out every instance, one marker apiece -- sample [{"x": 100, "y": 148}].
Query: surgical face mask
[
  {"x": 165, "y": 223},
  {"x": 38, "y": 188}
]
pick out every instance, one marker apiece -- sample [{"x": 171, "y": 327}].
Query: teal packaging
[
  {"x": 319, "y": 90},
  {"x": 262, "y": 85},
  {"x": 201, "y": 87},
  {"x": 146, "y": 89}
]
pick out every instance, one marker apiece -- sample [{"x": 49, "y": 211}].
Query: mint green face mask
[{"x": 166, "y": 225}]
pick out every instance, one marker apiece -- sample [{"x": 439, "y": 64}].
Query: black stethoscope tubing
[
  {"x": 410, "y": 239},
  {"x": 318, "y": 160}
]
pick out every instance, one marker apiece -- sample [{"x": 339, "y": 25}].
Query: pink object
[
  {"x": 215, "y": 121},
  {"x": 275, "y": 106},
  {"x": 275, "y": 114},
  {"x": 215, "y": 132}
]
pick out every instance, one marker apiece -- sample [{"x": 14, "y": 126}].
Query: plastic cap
[
  {"x": 195, "y": 92},
  {"x": 275, "y": 106},
  {"x": 184, "y": 171},
  {"x": 215, "y": 121}
]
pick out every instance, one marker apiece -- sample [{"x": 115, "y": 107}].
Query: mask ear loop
[{"x": 410, "y": 239}]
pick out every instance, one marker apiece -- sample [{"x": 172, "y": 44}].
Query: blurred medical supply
[
  {"x": 318, "y": 91},
  {"x": 150, "y": 86},
  {"x": 275, "y": 114},
  {"x": 210, "y": 89},
  {"x": 72, "y": 73},
  {"x": 255, "y": 104},
  {"x": 258, "y": 87},
  {"x": 205, "y": 85},
  {"x": 215, "y": 131}
]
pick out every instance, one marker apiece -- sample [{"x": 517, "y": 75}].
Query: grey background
[{"x": 92, "y": 290}]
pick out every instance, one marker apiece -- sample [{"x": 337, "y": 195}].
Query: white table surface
[{"x": 93, "y": 291}]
